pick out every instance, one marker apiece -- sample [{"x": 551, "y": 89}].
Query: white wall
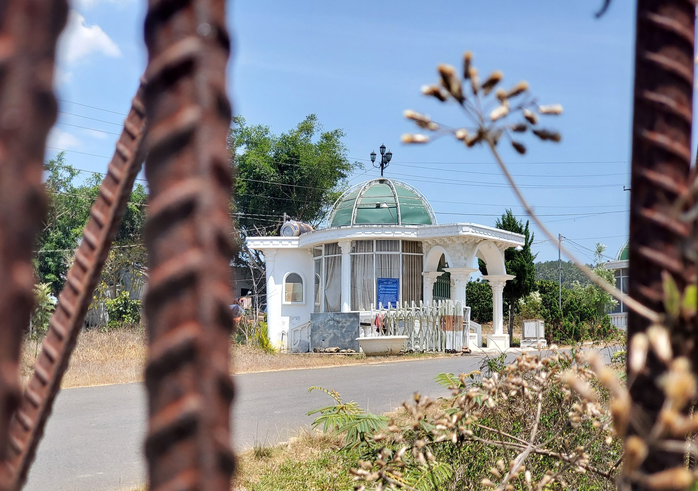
[{"x": 281, "y": 316}]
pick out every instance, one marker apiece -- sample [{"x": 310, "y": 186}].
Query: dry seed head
[
  {"x": 635, "y": 453},
  {"x": 679, "y": 384},
  {"x": 620, "y": 412},
  {"x": 547, "y": 135},
  {"x": 414, "y": 138},
  {"x": 499, "y": 112},
  {"x": 474, "y": 80},
  {"x": 434, "y": 91},
  {"x": 530, "y": 116},
  {"x": 487, "y": 483},
  {"x": 415, "y": 116},
  {"x": 527, "y": 477},
  {"x": 467, "y": 61},
  {"x": 676, "y": 479},
  {"x": 517, "y": 89},
  {"x": 461, "y": 134},
  {"x": 501, "y": 95},
  {"x": 638, "y": 352},
  {"x": 500, "y": 465},
  {"x": 519, "y": 147},
  {"x": 450, "y": 81},
  {"x": 495, "y": 472},
  {"x": 580, "y": 386},
  {"x": 489, "y": 84},
  {"x": 659, "y": 341},
  {"x": 519, "y": 127},
  {"x": 553, "y": 109}
]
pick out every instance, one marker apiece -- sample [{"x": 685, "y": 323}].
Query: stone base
[
  {"x": 534, "y": 343},
  {"x": 499, "y": 341}
]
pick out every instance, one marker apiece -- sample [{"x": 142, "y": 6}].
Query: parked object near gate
[{"x": 382, "y": 345}]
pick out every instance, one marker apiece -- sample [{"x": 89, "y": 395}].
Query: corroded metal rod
[
  {"x": 29, "y": 31},
  {"x": 661, "y": 158},
  {"x": 188, "y": 237},
  {"x": 66, "y": 322}
]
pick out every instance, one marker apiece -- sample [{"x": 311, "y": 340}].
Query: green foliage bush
[
  {"x": 123, "y": 311},
  {"x": 45, "y": 304}
]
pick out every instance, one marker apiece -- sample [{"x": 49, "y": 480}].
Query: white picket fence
[{"x": 443, "y": 325}]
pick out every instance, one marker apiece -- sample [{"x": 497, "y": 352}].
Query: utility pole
[{"x": 559, "y": 271}]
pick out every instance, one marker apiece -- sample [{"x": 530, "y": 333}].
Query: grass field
[{"x": 118, "y": 356}]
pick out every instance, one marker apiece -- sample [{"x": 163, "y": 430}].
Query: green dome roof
[
  {"x": 623, "y": 254},
  {"x": 382, "y": 202}
]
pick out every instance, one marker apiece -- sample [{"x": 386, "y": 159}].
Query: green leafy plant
[
  {"x": 360, "y": 426},
  {"x": 45, "y": 304},
  {"x": 122, "y": 310}
]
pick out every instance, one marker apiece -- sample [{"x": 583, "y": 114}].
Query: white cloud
[
  {"x": 88, "y": 4},
  {"x": 62, "y": 77},
  {"x": 80, "y": 40},
  {"x": 59, "y": 139},
  {"x": 95, "y": 134}
]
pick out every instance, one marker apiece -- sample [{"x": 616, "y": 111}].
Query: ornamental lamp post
[{"x": 385, "y": 158}]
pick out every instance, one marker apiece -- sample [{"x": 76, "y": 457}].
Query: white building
[
  {"x": 619, "y": 315},
  {"x": 382, "y": 245}
]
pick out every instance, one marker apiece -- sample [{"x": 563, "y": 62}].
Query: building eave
[{"x": 404, "y": 232}]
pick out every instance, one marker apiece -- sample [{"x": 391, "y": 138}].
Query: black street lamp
[{"x": 385, "y": 158}]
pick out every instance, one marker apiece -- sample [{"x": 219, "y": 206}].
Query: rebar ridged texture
[
  {"x": 188, "y": 237},
  {"x": 66, "y": 322},
  {"x": 661, "y": 158},
  {"x": 29, "y": 30}
]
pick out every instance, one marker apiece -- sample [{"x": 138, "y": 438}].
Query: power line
[
  {"x": 93, "y": 107},
  {"x": 86, "y": 128},
  {"x": 544, "y": 176},
  {"x": 93, "y": 119}
]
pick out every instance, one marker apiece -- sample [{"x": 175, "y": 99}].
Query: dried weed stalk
[{"x": 491, "y": 112}]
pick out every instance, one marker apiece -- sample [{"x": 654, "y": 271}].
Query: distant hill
[{"x": 548, "y": 270}]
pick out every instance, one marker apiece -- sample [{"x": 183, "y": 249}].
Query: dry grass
[
  {"x": 114, "y": 357},
  {"x": 310, "y": 461},
  {"x": 118, "y": 356}
]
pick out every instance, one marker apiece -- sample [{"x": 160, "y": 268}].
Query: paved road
[{"x": 94, "y": 438}]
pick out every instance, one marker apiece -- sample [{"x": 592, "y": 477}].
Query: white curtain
[
  {"x": 318, "y": 285},
  {"x": 411, "y": 278},
  {"x": 362, "y": 281},
  {"x": 387, "y": 265},
  {"x": 333, "y": 284}
]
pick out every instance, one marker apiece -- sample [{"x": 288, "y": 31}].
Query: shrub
[
  {"x": 122, "y": 310},
  {"x": 521, "y": 428},
  {"x": 44, "y": 305}
]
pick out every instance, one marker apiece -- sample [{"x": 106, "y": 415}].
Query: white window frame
[{"x": 302, "y": 290}]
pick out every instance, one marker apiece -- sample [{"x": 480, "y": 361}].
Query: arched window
[{"x": 293, "y": 288}]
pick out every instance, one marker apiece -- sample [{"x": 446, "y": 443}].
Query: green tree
[
  {"x": 519, "y": 263},
  {"x": 300, "y": 172},
  {"x": 479, "y": 295},
  {"x": 69, "y": 210},
  {"x": 571, "y": 274}
]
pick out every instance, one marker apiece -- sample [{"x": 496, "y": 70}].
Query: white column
[
  {"x": 345, "y": 246},
  {"x": 429, "y": 278},
  {"x": 274, "y": 299},
  {"x": 498, "y": 339},
  {"x": 459, "y": 281}
]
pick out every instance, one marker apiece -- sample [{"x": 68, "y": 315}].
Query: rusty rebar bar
[
  {"x": 29, "y": 30},
  {"x": 66, "y": 322},
  {"x": 188, "y": 237},
  {"x": 661, "y": 159}
]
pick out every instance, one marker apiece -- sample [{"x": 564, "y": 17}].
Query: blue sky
[{"x": 358, "y": 65}]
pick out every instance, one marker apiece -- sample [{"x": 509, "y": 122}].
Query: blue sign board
[{"x": 388, "y": 290}]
